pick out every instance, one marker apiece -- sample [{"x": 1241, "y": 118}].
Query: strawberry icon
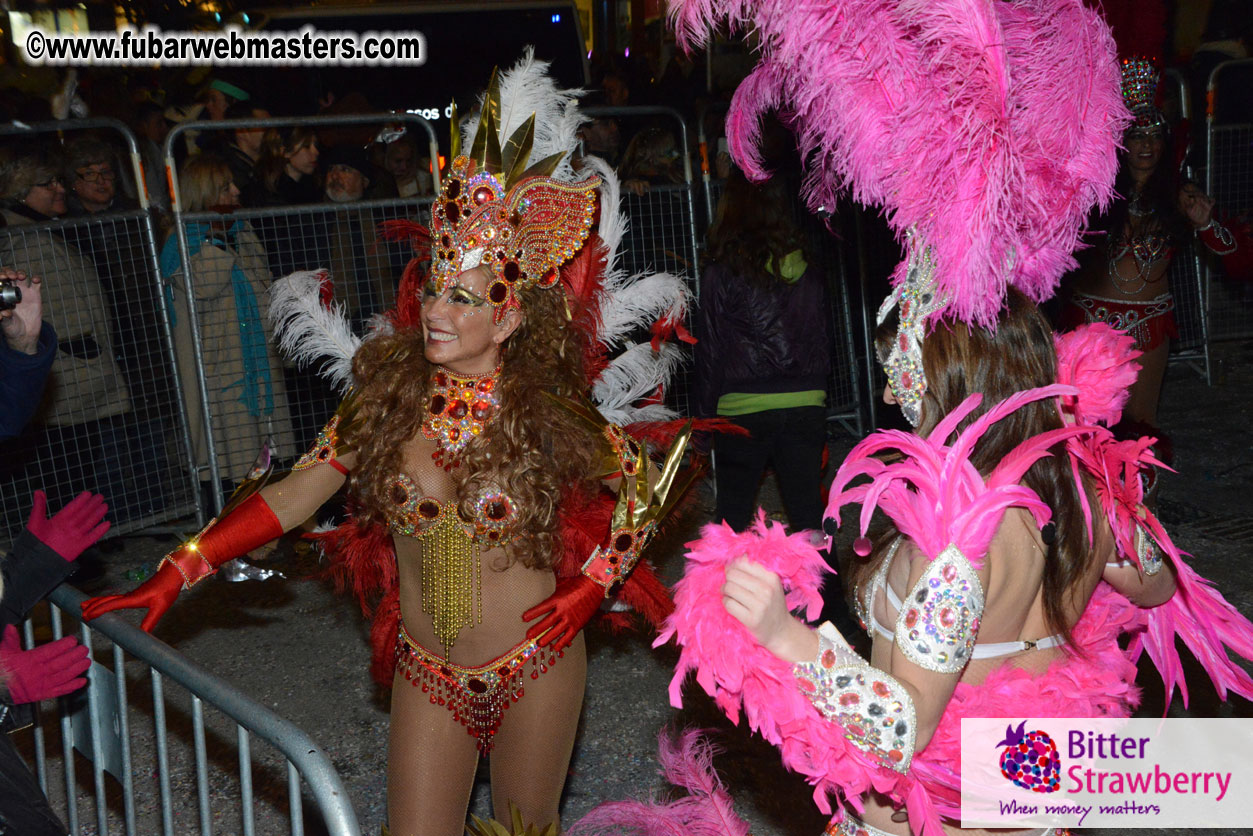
[{"x": 1030, "y": 759}]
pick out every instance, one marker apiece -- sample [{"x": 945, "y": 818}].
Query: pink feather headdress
[{"x": 989, "y": 127}]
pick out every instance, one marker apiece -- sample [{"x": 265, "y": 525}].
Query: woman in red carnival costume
[
  {"x": 1123, "y": 281},
  {"x": 1018, "y": 547},
  {"x": 473, "y": 460}
]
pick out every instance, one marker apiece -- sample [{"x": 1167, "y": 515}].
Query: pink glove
[
  {"x": 565, "y": 612},
  {"x": 72, "y": 529},
  {"x": 44, "y": 672}
]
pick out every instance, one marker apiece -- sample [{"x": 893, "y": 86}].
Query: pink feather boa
[{"x": 743, "y": 677}]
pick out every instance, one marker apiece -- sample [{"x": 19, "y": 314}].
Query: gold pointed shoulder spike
[
  {"x": 545, "y": 167},
  {"x": 517, "y": 152},
  {"x": 454, "y": 130},
  {"x": 489, "y": 116}
]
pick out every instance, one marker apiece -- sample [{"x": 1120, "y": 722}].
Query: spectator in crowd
[
  {"x": 42, "y": 555},
  {"x": 651, "y": 159},
  {"x": 27, "y": 348},
  {"x": 359, "y": 262},
  {"x": 229, "y": 283},
  {"x": 602, "y": 136},
  {"x": 285, "y": 177},
  {"x": 246, "y": 147},
  {"x": 408, "y": 172},
  {"x": 84, "y": 439},
  {"x": 763, "y": 353},
  {"x": 211, "y": 104},
  {"x": 91, "y": 172},
  {"x": 116, "y": 248},
  {"x": 151, "y": 128}
]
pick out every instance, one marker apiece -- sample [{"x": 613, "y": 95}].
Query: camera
[{"x": 10, "y": 295}]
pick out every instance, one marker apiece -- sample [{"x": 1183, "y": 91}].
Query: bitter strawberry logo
[{"x": 1030, "y": 759}]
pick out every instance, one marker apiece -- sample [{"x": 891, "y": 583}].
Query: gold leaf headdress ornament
[{"x": 498, "y": 210}]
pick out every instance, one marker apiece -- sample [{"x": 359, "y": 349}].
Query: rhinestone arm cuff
[
  {"x": 1148, "y": 553},
  {"x": 875, "y": 710},
  {"x": 324, "y": 450},
  {"x": 190, "y": 563},
  {"x": 609, "y": 565},
  {"x": 1217, "y": 238},
  {"x": 939, "y": 620}
]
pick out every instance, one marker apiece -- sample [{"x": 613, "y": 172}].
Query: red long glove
[
  {"x": 568, "y": 609},
  {"x": 250, "y": 525},
  {"x": 42, "y": 672},
  {"x": 72, "y": 529}
]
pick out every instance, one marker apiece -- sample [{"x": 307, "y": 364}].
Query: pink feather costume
[{"x": 935, "y": 497}]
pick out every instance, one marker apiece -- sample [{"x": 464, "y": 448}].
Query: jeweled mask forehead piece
[
  {"x": 917, "y": 300},
  {"x": 497, "y": 210}
]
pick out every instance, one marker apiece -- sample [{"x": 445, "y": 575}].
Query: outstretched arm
[{"x": 258, "y": 519}]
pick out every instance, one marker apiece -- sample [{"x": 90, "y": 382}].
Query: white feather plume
[
  {"x": 632, "y": 375},
  {"x": 526, "y": 88},
  {"x": 309, "y": 334}
]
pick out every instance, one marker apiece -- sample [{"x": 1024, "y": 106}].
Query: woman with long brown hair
[{"x": 466, "y": 440}]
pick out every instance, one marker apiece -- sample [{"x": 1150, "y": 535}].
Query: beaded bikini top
[{"x": 414, "y": 515}]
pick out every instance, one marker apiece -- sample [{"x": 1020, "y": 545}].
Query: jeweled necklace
[{"x": 457, "y": 409}]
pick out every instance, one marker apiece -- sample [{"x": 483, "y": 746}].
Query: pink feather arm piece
[
  {"x": 934, "y": 494},
  {"x": 744, "y": 677},
  {"x": 1099, "y": 362},
  {"x": 1197, "y": 613},
  {"x": 990, "y": 128},
  {"x": 707, "y": 810}
]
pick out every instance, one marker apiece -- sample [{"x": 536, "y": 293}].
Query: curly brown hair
[{"x": 533, "y": 450}]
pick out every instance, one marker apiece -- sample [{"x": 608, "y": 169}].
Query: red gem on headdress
[
  {"x": 437, "y": 405},
  {"x": 907, "y": 380},
  {"x": 623, "y": 541},
  {"x": 454, "y": 434},
  {"x": 454, "y": 188},
  {"x": 549, "y": 278},
  {"x": 516, "y": 218},
  {"x": 457, "y": 409},
  {"x": 452, "y": 212},
  {"x": 441, "y": 379},
  {"x": 482, "y": 194},
  {"x": 481, "y": 410},
  {"x": 445, "y": 240},
  {"x": 498, "y": 293},
  {"x": 512, "y": 271}
]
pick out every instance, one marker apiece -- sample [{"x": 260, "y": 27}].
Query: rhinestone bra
[{"x": 414, "y": 515}]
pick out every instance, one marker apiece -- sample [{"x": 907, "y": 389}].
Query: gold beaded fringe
[{"x": 452, "y": 578}]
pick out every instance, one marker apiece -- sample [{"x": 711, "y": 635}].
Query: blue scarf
[{"x": 256, "y": 384}]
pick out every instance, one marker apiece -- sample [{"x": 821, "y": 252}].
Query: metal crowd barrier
[
  {"x": 1229, "y": 180},
  {"x": 142, "y": 782},
  {"x": 110, "y": 420},
  {"x": 240, "y": 394},
  {"x": 1187, "y": 275}
]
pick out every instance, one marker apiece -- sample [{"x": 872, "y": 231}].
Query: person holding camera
[{"x": 28, "y": 346}]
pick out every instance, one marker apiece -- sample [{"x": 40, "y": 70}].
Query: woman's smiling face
[{"x": 459, "y": 330}]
